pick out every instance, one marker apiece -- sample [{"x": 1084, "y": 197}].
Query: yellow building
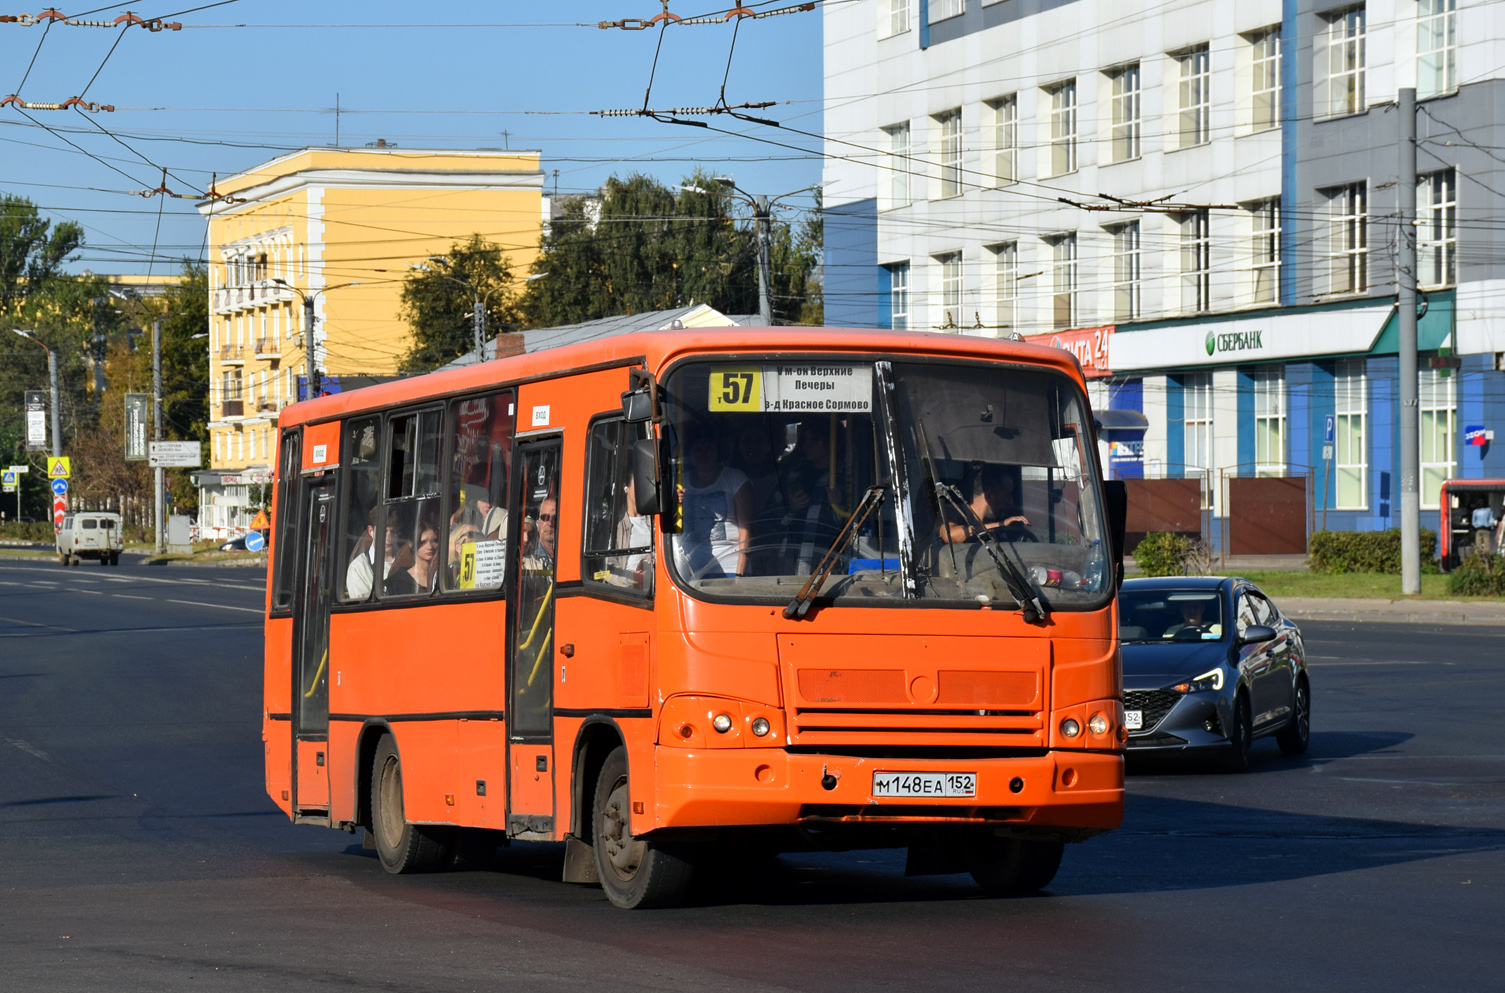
[{"x": 343, "y": 226}]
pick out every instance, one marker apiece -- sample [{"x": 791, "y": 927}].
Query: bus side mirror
[
  {"x": 1116, "y": 495},
  {"x": 645, "y": 481},
  {"x": 637, "y": 406}
]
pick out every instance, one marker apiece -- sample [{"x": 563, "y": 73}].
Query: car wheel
[
  {"x": 63, "y": 558},
  {"x": 635, "y": 872},
  {"x": 1297, "y": 734},
  {"x": 1011, "y": 866},
  {"x": 1240, "y": 737},
  {"x": 402, "y": 846}
]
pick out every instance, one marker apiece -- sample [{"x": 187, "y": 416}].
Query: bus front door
[
  {"x": 530, "y": 713},
  {"x": 311, "y": 662}
]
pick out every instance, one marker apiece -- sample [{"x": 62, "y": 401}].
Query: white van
[{"x": 93, "y": 534}]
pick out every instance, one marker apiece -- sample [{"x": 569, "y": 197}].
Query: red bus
[{"x": 730, "y": 590}]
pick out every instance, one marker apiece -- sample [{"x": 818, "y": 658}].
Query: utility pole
[
  {"x": 478, "y": 323},
  {"x": 158, "y": 536},
  {"x": 1410, "y": 469},
  {"x": 57, "y": 413},
  {"x": 309, "y": 353},
  {"x": 765, "y": 278}
]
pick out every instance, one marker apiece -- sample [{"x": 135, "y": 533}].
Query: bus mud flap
[{"x": 580, "y": 862}]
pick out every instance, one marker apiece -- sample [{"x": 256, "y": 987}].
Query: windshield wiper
[
  {"x": 1015, "y": 578},
  {"x": 800, "y": 605}
]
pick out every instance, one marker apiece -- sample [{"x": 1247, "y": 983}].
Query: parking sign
[{"x": 1328, "y": 424}]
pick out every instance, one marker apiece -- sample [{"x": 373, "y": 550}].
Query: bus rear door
[{"x": 531, "y": 648}]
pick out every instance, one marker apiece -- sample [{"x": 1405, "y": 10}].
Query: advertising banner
[{"x": 137, "y": 418}]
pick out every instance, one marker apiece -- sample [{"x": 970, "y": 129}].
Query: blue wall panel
[{"x": 851, "y": 256}]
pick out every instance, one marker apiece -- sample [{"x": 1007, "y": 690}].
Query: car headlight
[{"x": 1211, "y": 680}]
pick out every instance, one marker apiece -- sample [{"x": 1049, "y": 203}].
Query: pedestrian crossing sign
[{"x": 57, "y": 467}]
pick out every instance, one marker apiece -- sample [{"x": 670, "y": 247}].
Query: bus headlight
[
  {"x": 1098, "y": 724},
  {"x": 760, "y": 726},
  {"x": 1070, "y": 728},
  {"x": 722, "y": 723}
]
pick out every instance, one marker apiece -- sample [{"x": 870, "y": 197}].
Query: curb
[{"x": 1448, "y": 612}]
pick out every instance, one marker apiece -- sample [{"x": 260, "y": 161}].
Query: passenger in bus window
[
  {"x": 460, "y": 535},
  {"x": 757, "y": 462},
  {"x": 421, "y": 576},
  {"x": 717, "y": 502},
  {"x": 491, "y": 518},
  {"x": 545, "y": 530},
  {"x": 362, "y": 565},
  {"x": 994, "y": 500},
  {"x": 812, "y": 495}
]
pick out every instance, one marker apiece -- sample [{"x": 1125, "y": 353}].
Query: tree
[
  {"x": 638, "y": 246},
  {"x": 438, "y": 300},
  {"x": 32, "y": 250}
]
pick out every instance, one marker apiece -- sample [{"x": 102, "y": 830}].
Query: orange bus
[{"x": 713, "y": 593}]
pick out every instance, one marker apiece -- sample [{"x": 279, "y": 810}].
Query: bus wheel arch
[
  {"x": 597, "y": 738},
  {"x": 635, "y": 872},
  {"x": 365, "y": 750},
  {"x": 401, "y": 845}
]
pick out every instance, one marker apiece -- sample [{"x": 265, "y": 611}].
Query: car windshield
[
  {"x": 771, "y": 460},
  {"x": 1169, "y": 615}
]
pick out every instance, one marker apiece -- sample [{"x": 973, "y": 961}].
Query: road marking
[
  {"x": 95, "y": 592},
  {"x": 44, "y": 582},
  {"x": 127, "y": 596},
  {"x": 29, "y": 749},
  {"x": 1368, "y": 662},
  {"x": 226, "y": 606}
]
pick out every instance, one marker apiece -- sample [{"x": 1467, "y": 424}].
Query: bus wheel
[
  {"x": 401, "y": 846},
  {"x": 1010, "y": 866},
  {"x": 635, "y": 872}
]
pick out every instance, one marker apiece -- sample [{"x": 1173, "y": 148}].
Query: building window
[
  {"x": 898, "y": 164},
  {"x": 1196, "y": 262},
  {"x": 941, "y": 10},
  {"x": 1125, "y": 112},
  {"x": 1264, "y": 48},
  {"x": 1270, "y": 421},
  {"x": 1062, "y": 127},
  {"x": 1437, "y": 232},
  {"x": 1006, "y": 269},
  {"x": 1348, "y": 238},
  {"x": 950, "y": 125},
  {"x": 1063, "y": 280},
  {"x": 1195, "y": 96},
  {"x": 1437, "y": 429},
  {"x": 1125, "y": 271},
  {"x": 1196, "y": 401},
  {"x": 1265, "y": 254},
  {"x": 1005, "y": 139},
  {"x": 898, "y": 296},
  {"x": 1349, "y": 451},
  {"x": 1345, "y": 61},
  {"x": 1436, "y": 47},
  {"x": 893, "y": 18},
  {"x": 951, "y": 289}
]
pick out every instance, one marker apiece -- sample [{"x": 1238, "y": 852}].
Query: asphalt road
[{"x": 138, "y": 850}]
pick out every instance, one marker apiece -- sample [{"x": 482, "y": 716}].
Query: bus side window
[
  {"x": 286, "y": 539},
  {"x": 476, "y": 492},
  {"x": 618, "y": 545},
  {"x": 362, "y": 515}
]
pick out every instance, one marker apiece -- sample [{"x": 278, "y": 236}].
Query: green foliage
[
  {"x": 32, "y": 250},
  {"x": 1163, "y": 553},
  {"x": 639, "y": 246},
  {"x": 437, "y": 302},
  {"x": 1480, "y": 574},
  {"x": 1365, "y": 551},
  {"x": 15, "y": 531}
]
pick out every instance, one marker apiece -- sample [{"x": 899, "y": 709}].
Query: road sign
[
  {"x": 254, "y": 541},
  {"x": 9, "y": 477},
  {"x": 176, "y": 454},
  {"x": 1327, "y": 452},
  {"x": 60, "y": 486},
  {"x": 1327, "y": 430},
  {"x": 59, "y": 511},
  {"x": 58, "y": 467},
  {"x": 20, "y": 468}
]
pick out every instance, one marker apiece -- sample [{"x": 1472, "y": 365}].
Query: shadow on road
[{"x": 1266, "y": 758}]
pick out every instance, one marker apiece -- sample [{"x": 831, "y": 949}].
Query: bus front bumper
[{"x": 700, "y": 788}]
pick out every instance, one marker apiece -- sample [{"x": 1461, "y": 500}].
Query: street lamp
[
  {"x": 57, "y": 422},
  {"x": 308, "y": 298},
  {"x": 762, "y": 207}
]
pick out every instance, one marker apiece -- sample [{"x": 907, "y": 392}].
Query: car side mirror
[
  {"x": 1256, "y": 633},
  {"x": 645, "y": 480},
  {"x": 637, "y": 402}
]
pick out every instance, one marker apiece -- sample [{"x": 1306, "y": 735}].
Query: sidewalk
[{"x": 1377, "y": 611}]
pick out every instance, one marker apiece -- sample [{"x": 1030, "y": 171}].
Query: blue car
[{"x": 1210, "y": 664}]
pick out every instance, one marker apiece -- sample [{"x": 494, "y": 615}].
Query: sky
[{"x": 247, "y": 80}]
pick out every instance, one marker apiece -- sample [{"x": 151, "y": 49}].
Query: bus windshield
[{"x": 973, "y": 475}]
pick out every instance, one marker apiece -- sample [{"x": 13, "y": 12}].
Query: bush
[
  {"x": 1163, "y": 553},
  {"x": 1365, "y": 551},
  {"x": 16, "y": 531},
  {"x": 1480, "y": 574}
]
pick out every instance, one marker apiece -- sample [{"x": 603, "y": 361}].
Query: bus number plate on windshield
[{"x": 911, "y": 784}]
